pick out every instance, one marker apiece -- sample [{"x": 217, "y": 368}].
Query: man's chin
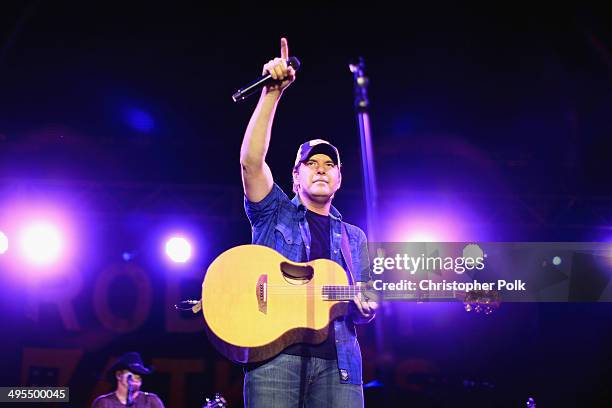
[{"x": 320, "y": 196}]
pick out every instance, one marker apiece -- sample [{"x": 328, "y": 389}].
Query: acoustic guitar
[{"x": 256, "y": 302}]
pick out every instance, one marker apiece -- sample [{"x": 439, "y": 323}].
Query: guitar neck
[
  {"x": 348, "y": 292},
  {"x": 340, "y": 292}
]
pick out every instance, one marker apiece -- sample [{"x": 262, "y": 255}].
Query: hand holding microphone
[{"x": 278, "y": 74}]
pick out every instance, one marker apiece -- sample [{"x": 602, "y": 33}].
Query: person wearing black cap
[
  {"x": 127, "y": 374},
  {"x": 304, "y": 228}
]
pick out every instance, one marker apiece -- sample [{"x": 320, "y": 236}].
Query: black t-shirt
[
  {"x": 319, "y": 248},
  {"x": 319, "y": 235}
]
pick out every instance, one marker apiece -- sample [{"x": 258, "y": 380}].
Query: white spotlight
[
  {"x": 178, "y": 249},
  {"x": 41, "y": 243}
]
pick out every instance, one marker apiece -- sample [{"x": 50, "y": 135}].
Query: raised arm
[{"x": 257, "y": 178}]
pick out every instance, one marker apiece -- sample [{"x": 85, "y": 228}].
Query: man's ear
[
  {"x": 295, "y": 175},
  {"x": 338, "y": 186}
]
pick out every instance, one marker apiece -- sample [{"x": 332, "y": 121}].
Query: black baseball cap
[{"x": 316, "y": 146}]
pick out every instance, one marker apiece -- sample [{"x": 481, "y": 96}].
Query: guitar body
[{"x": 256, "y": 302}]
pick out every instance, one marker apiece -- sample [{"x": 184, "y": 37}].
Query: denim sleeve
[
  {"x": 261, "y": 212},
  {"x": 364, "y": 258}
]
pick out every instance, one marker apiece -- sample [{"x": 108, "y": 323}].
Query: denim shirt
[{"x": 281, "y": 224}]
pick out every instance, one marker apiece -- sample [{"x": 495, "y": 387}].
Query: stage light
[
  {"x": 178, "y": 249},
  {"x": 432, "y": 219},
  {"x": 430, "y": 228},
  {"x": 41, "y": 243},
  {"x": 3, "y": 243},
  {"x": 556, "y": 261},
  {"x": 139, "y": 120}
]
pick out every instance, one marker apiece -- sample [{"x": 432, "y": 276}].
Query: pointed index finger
[{"x": 284, "y": 49}]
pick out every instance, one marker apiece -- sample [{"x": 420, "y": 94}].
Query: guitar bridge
[{"x": 262, "y": 293}]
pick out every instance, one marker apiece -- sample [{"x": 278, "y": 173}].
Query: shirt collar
[{"x": 333, "y": 212}]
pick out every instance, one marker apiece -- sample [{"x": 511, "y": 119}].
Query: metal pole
[
  {"x": 362, "y": 104},
  {"x": 367, "y": 157}
]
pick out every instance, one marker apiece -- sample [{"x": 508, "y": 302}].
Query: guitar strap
[{"x": 345, "y": 248}]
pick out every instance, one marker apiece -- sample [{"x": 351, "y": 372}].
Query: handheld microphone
[
  {"x": 129, "y": 400},
  {"x": 262, "y": 81}
]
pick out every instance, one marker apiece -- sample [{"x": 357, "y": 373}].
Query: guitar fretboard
[
  {"x": 348, "y": 292},
  {"x": 340, "y": 292}
]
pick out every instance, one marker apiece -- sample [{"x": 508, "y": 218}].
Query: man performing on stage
[
  {"x": 305, "y": 228},
  {"x": 126, "y": 373}
]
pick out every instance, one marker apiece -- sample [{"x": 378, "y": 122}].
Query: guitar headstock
[
  {"x": 217, "y": 402},
  {"x": 482, "y": 301}
]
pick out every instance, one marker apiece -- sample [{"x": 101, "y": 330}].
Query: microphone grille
[{"x": 294, "y": 62}]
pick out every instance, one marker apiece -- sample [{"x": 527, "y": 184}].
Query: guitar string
[
  {"x": 346, "y": 290},
  {"x": 336, "y": 289},
  {"x": 350, "y": 293},
  {"x": 352, "y": 290}
]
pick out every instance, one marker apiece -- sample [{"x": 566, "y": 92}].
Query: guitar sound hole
[{"x": 296, "y": 272}]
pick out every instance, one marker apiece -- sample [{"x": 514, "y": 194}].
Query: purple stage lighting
[
  {"x": 41, "y": 243},
  {"x": 42, "y": 239},
  {"x": 432, "y": 218},
  {"x": 3, "y": 243},
  {"x": 178, "y": 249},
  {"x": 139, "y": 120},
  {"x": 429, "y": 228}
]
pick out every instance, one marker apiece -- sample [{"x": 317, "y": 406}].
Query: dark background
[{"x": 123, "y": 113}]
